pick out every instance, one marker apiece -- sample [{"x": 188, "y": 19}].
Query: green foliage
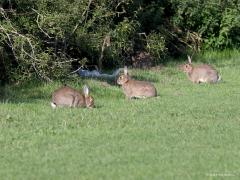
[
  {"x": 46, "y": 38},
  {"x": 123, "y": 38},
  {"x": 156, "y": 45},
  {"x": 217, "y": 22}
]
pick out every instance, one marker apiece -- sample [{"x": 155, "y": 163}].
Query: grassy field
[{"x": 188, "y": 132}]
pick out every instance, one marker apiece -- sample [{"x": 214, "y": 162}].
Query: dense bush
[
  {"x": 217, "y": 22},
  {"x": 47, "y": 39}
]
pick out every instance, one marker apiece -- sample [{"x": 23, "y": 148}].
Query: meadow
[{"x": 189, "y": 131}]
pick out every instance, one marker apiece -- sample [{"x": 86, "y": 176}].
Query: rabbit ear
[
  {"x": 189, "y": 59},
  {"x": 85, "y": 90},
  {"x": 125, "y": 70}
]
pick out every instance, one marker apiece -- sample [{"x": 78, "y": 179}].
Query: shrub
[{"x": 47, "y": 39}]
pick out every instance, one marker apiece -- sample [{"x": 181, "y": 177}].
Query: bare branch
[
  {"x": 83, "y": 18},
  {"x": 31, "y": 55},
  {"x": 37, "y": 21},
  {"x": 106, "y": 43}
]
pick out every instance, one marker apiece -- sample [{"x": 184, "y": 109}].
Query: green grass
[{"x": 188, "y": 132}]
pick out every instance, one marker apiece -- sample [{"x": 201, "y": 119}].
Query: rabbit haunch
[
  {"x": 69, "y": 97},
  {"x": 201, "y": 73},
  {"x": 134, "y": 88}
]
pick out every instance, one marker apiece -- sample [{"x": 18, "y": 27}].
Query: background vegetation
[{"x": 47, "y": 39}]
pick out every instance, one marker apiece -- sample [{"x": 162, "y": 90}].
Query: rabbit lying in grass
[
  {"x": 200, "y": 74},
  {"x": 133, "y": 88},
  {"x": 69, "y": 97}
]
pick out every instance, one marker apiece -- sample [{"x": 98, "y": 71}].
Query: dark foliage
[{"x": 48, "y": 39}]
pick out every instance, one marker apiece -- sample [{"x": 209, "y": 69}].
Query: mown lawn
[{"x": 188, "y": 132}]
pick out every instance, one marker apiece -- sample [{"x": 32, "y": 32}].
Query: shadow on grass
[
  {"x": 24, "y": 93},
  {"x": 144, "y": 78}
]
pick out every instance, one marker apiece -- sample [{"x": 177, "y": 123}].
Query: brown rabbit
[
  {"x": 200, "y": 74},
  {"x": 69, "y": 97},
  {"x": 133, "y": 88}
]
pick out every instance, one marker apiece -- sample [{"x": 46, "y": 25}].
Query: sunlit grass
[{"x": 188, "y": 132}]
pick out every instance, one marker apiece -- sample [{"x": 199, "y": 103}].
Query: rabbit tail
[{"x": 53, "y": 105}]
